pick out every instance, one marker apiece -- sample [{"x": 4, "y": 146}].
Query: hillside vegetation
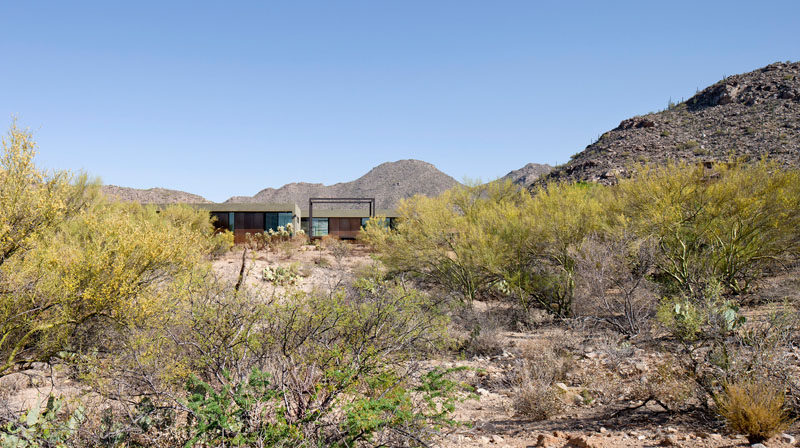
[
  {"x": 674, "y": 252},
  {"x": 751, "y": 115}
]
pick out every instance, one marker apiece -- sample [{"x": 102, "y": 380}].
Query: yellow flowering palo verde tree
[{"x": 73, "y": 266}]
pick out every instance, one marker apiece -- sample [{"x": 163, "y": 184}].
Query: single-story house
[
  {"x": 343, "y": 223},
  {"x": 244, "y": 218}
]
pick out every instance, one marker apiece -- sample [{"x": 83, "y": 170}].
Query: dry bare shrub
[
  {"x": 611, "y": 283},
  {"x": 546, "y": 361},
  {"x": 666, "y": 383},
  {"x": 481, "y": 331},
  {"x": 333, "y": 361},
  {"x": 305, "y": 270},
  {"x": 754, "y": 408},
  {"x": 537, "y": 401},
  {"x": 541, "y": 364},
  {"x": 484, "y": 340},
  {"x": 256, "y": 241},
  {"x": 764, "y": 348}
]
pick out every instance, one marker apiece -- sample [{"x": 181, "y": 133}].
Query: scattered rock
[
  {"x": 758, "y": 445},
  {"x": 788, "y": 438},
  {"x": 581, "y": 442},
  {"x": 497, "y": 439},
  {"x": 669, "y": 440},
  {"x": 545, "y": 440},
  {"x": 14, "y": 382},
  {"x": 562, "y": 387}
]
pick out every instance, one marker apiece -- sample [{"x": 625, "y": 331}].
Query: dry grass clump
[
  {"x": 754, "y": 408},
  {"x": 542, "y": 364},
  {"x": 480, "y": 331},
  {"x": 485, "y": 339},
  {"x": 546, "y": 361},
  {"x": 537, "y": 400}
]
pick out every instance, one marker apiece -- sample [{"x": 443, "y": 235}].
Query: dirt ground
[
  {"x": 595, "y": 414},
  {"x": 490, "y": 420}
]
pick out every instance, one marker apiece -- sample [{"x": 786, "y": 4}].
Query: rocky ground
[{"x": 603, "y": 379}]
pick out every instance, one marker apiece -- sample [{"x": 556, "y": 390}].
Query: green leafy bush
[
  {"x": 281, "y": 275},
  {"x": 724, "y": 223},
  {"x": 52, "y": 426}
]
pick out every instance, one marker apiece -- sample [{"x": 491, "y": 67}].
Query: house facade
[
  {"x": 342, "y": 223},
  {"x": 252, "y": 218}
]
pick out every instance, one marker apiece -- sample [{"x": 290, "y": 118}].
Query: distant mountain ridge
[
  {"x": 151, "y": 195},
  {"x": 387, "y": 183},
  {"x": 751, "y": 115},
  {"x": 528, "y": 173}
]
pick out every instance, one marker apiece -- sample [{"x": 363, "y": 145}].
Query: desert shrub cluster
[
  {"x": 122, "y": 299},
  {"x": 671, "y": 230},
  {"x": 673, "y": 250}
]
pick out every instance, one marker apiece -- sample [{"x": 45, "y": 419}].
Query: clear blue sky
[{"x": 223, "y": 98}]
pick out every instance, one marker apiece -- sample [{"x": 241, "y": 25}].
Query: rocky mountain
[
  {"x": 151, "y": 195},
  {"x": 751, "y": 115},
  {"x": 387, "y": 183},
  {"x": 528, "y": 173}
]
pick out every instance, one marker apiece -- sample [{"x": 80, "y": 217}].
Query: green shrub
[
  {"x": 322, "y": 369},
  {"x": 281, "y": 275},
  {"x": 48, "y": 427},
  {"x": 455, "y": 242},
  {"x": 75, "y": 267},
  {"x": 725, "y": 223}
]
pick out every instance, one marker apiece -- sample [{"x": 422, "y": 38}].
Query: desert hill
[
  {"x": 151, "y": 195},
  {"x": 751, "y": 115},
  {"x": 387, "y": 183},
  {"x": 528, "y": 173}
]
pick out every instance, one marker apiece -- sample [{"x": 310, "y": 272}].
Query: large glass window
[
  {"x": 270, "y": 221},
  {"x": 319, "y": 227},
  {"x": 273, "y": 220},
  {"x": 284, "y": 218},
  {"x": 230, "y": 220}
]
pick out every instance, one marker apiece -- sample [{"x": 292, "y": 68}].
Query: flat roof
[
  {"x": 348, "y": 213},
  {"x": 245, "y": 207},
  {"x": 256, "y": 207}
]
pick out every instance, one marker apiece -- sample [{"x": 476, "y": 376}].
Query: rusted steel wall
[{"x": 344, "y": 227}]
